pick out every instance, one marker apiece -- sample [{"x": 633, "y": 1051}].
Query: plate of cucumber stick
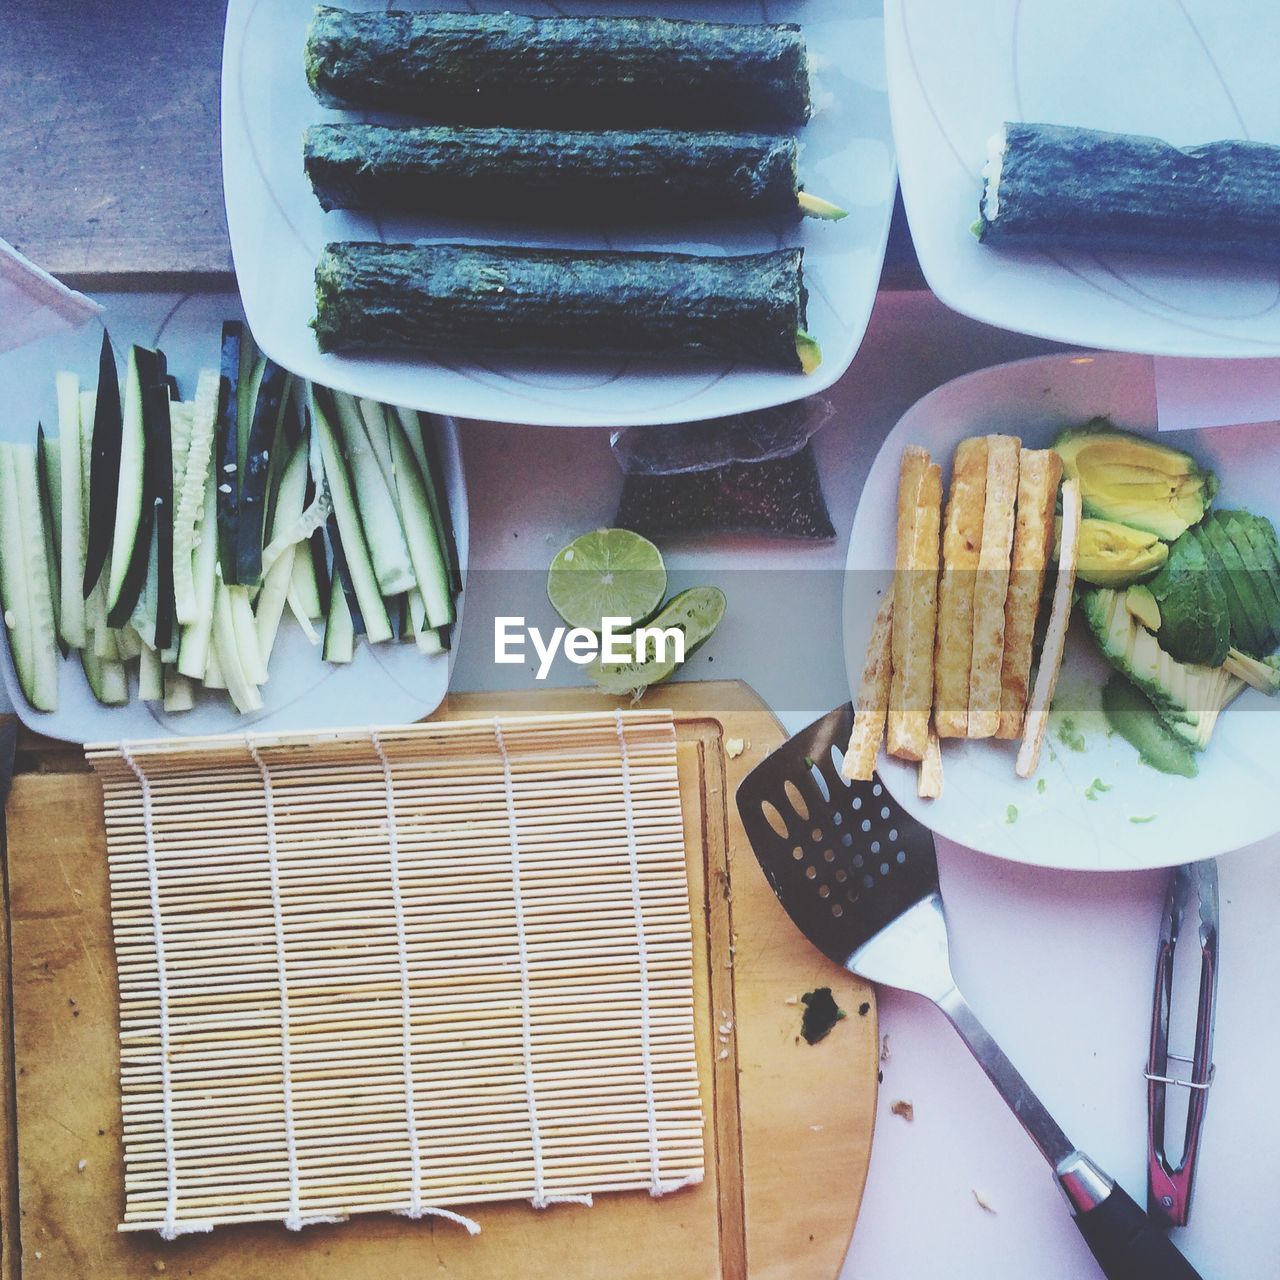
[
  {"x": 195, "y": 540},
  {"x": 563, "y": 215},
  {"x": 1082, "y": 671},
  {"x": 1101, "y": 174}
]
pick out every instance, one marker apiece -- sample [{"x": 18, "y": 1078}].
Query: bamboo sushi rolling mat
[{"x": 401, "y": 969}]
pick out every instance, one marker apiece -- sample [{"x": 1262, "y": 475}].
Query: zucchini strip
[
  {"x": 430, "y": 566},
  {"x": 226, "y": 641},
  {"x": 189, "y": 501},
  {"x": 131, "y": 531},
  {"x": 71, "y": 533},
  {"x": 193, "y": 651},
  {"x": 103, "y": 473},
  {"x": 50, "y": 494}
]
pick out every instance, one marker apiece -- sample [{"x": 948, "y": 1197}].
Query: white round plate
[
  {"x": 1187, "y": 71},
  {"x": 278, "y": 229},
  {"x": 1146, "y": 818},
  {"x": 385, "y": 684}
]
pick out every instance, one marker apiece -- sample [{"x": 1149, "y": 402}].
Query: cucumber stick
[
  {"x": 49, "y": 480},
  {"x": 379, "y": 517},
  {"x": 363, "y": 581},
  {"x": 150, "y": 676},
  {"x": 130, "y": 482},
  {"x": 72, "y": 515},
  {"x": 339, "y": 630},
  {"x": 102, "y": 475},
  {"x": 179, "y": 692},
  {"x": 242, "y": 690},
  {"x": 190, "y": 522},
  {"x": 430, "y": 567},
  {"x": 421, "y": 435},
  {"x": 193, "y": 652},
  {"x": 275, "y": 586},
  {"x": 24, "y": 578}
]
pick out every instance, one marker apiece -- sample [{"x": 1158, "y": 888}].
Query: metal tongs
[{"x": 1169, "y": 1185}]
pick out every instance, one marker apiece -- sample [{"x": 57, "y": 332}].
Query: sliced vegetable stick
[
  {"x": 1039, "y": 473},
  {"x": 915, "y": 613},
  {"x": 992, "y": 585},
  {"x": 872, "y": 707},
  {"x": 961, "y": 541},
  {"x": 1055, "y": 639},
  {"x": 929, "y": 782}
]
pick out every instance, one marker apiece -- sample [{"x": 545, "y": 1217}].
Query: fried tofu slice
[
  {"x": 961, "y": 542},
  {"x": 915, "y": 608},
  {"x": 929, "y": 781},
  {"x": 992, "y": 585},
  {"x": 1055, "y": 640},
  {"x": 1039, "y": 474},
  {"x": 872, "y": 706}
]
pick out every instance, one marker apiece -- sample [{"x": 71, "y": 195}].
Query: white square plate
[
  {"x": 1188, "y": 71},
  {"x": 278, "y": 229},
  {"x": 385, "y": 684},
  {"x": 1230, "y": 804}
]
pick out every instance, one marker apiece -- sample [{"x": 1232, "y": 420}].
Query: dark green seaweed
[
  {"x": 469, "y": 298},
  {"x": 599, "y": 73},
  {"x": 1074, "y": 188},
  {"x": 650, "y": 175}
]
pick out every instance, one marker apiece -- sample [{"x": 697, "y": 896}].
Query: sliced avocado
[
  {"x": 1194, "y": 616},
  {"x": 1128, "y": 478},
  {"x": 1133, "y": 717},
  {"x": 1187, "y": 697},
  {"x": 1114, "y": 555},
  {"x": 1249, "y": 534},
  {"x": 1249, "y": 629},
  {"x": 1142, "y": 604}
]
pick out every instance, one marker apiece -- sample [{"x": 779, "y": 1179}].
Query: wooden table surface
[
  {"x": 109, "y": 145},
  {"x": 109, "y": 141}
]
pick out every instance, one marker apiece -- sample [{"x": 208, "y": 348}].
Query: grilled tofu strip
[
  {"x": 992, "y": 585},
  {"x": 915, "y": 615},
  {"x": 961, "y": 541},
  {"x": 872, "y": 707},
  {"x": 1039, "y": 473}
]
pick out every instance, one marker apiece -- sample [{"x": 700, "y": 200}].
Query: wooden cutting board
[{"x": 788, "y": 1125}]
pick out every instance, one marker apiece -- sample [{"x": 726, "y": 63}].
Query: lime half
[
  {"x": 609, "y": 573},
  {"x": 695, "y": 613}
]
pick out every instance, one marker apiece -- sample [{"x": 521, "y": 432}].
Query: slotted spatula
[{"x": 859, "y": 878}]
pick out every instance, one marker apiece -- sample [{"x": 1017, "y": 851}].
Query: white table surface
[{"x": 1058, "y": 965}]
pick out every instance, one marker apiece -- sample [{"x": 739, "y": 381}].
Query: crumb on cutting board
[
  {"x": 884, "y": 1048},
  {"x": 983, "y": 1203},
  {"x": 734, "y": 747},
  {"x": 901, "y": 1107}
]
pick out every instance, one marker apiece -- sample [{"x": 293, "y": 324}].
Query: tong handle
[{"x": 1127, "y": 1244}]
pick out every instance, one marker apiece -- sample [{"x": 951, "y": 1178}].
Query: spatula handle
[{"x": 1126, "y": 1243}]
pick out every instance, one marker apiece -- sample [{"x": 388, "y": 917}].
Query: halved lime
[
  {"x": 694, "y": 613},
  {"x": 608, "y": 573}
]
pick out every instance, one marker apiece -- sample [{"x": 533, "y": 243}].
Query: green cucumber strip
[
  {"x": 50, "y": 517},
  {"x": 430, "y": 567},
  {"x": 28, "y": 604},
  {"x": 342, "y": 575},
  {"x": 303, "y": 587},
  {"x": 363, "y": 582},
  {"x": 189, "y": 497},
  {"x": 379, "y": 518},
  {"x": 339, "y": 631},
  {"x": 128, "y": 643},
  {"x": 102, "y": 476},
  {"x": 421, "y": 433},
  {"x": 143, "y": 617},
  {"x": 150, "y": 676},
  {"x": 374, "y": 417},
  {"x": 252, "y": 368},
  {"x": 227, "y": 453},
  {"x": 107, "y": 680},
  {"x": 179, "y": 692},
  {"x": 132, "y": 523},
  {"x": 181, "y": 421},
  {"x": 246, "y": 634},
  {"x": 193, "y": 650},
  {"x": 298, "y": 606},
  {"x": 275, "y": 586},
  {"x": 226, "y": 644},
  {"x": 158, "y": 407},
  {"x": 264, "y": 439},
  {"x": 213, "y": 672},
  {"x": 71, "y": 520}
]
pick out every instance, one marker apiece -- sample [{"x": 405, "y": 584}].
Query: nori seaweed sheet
[
  {"x": 777, "y": 496},
  {"x": 1063, "y": 187},
  {"x": 650, "y": 175},
  {"x": 475, "y": 299},
  {"x": 595, "y": 72}
]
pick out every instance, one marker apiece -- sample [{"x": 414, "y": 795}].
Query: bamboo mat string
[
  {"x": 294, "y": 1220},
  {"x": 415, "y": 1208},
  {"x": 170, "y": 1230},
  {"x": 540, "y": 1199}
]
